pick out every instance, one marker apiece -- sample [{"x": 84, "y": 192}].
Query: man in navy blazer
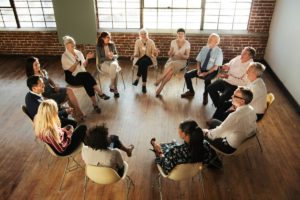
[{"x": 34, "y": 98}]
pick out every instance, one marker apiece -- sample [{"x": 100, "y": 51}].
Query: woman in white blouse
[
  {"x": 178, "y": 54},
  {"x": 74, "y": 64}
]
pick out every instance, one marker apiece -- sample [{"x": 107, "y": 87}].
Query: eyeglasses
[{"x": 237, "y": 97}]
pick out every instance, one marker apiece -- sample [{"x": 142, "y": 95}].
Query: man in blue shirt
[{"x": 208, "y": 61}]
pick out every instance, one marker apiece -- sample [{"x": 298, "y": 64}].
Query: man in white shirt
[
  {"x": 257, "y": 86},
  {"x": 237, "y": 127},
  {"x": 222, "y": 89}
]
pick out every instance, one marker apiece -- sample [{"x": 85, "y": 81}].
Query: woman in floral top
[
  {"x": 48, "y": 129},
  {"x": 169, "y": 155}
]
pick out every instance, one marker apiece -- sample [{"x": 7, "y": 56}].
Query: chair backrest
[
  {"x": 52, "y": 152},
  {"x": 249, "y": 142},
  {"x": 102, "y": 175},
  {"x": 182, "y": 171},
  {"x": 25, "y": 111}
]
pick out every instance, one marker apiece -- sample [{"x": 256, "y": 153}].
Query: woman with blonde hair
[
  {"x": 74, "y": 64},
  {"x": 48, "y": 129},
  {"x": 145, "y": 54}
]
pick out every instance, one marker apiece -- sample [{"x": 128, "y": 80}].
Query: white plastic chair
[
  {"x": 182, "y": 172},
  {"x": 105, "y": 176},
  {"x": 69, "y": 167}
]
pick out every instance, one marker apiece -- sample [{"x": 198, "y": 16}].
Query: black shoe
[
  {"x": 136, "y": 82},
  {"x": 104, "y": 96},
  {"x": 111, "y": 90},
  {"x": 188, "y": 94},
  {"x": 117, "y": 95},
  {"x": 97, "y": 109},
  {"x": 205, "y": 99},
  {"x": 144, "y": 89},
  {"x": 215, "y": 163}
]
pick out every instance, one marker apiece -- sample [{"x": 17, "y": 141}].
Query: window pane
[
  {"x": 119, "y": 13},
  {"x": 35, "y": 13},
  {"x": 231, "y": 14},
  {"x": 4, "y": 3}
]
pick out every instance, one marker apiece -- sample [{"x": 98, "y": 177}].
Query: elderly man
[
  {"x": 237, "y": 127},
  {"x": 222, "y": 89},
  {"x": 257, "y": 86}
]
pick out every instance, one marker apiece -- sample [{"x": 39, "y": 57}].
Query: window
[
  {"x": 227, "y": 14},
  {"x": 119, "y": 13},
  {"x": 7, "y": 17},
  {"x": 172, "y": 14},
  {"x": 27, "y": 14}
]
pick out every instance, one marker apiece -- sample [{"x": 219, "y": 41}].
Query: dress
[
  {"x": 175, "y": 154},
  {"x": 174, "y": 62}
]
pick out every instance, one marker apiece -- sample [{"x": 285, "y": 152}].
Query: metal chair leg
[
  {"x": 201, "y": 179},
  {"x": 85, "y": 185}
]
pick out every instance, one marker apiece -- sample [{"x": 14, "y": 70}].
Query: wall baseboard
[{"x": 285, "y": 91}]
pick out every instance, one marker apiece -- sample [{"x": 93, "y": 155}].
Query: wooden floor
[{"x": 135, "y": 117}]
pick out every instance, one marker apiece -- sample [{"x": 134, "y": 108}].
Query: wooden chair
[
  {"x": 69, "y": 167},
  {"x": 182, "y": 172},
  {"x": 105, "y": 176}
]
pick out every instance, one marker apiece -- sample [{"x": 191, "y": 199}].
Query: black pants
[
  {"x": 192, "y": 74},
  {"x": 82, "y": 78},
  {"x": 143, "y": 64},
  {"x": 222, "y": 111},
  {"x": 66, "y": 121},
  {"x": 77, "y": 138},
  {"x": 220, "y": 86},
  {"x": 114, "y": 141}
]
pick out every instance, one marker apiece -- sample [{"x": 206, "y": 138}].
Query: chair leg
[
  {"x": 44, "y": 147},
  {"x": 261, "y": 150},
  {"x": 201, "y": 179},
  {"x": 129, "y": 182},
  {"x": 160, "y": 186},
  {"x": 122, "y": 79},
  {"x": 65, "y": 171},
  {"x": 84, "y": 186}
]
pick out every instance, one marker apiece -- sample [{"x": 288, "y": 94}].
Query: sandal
[{"x": 152, "y": 141}]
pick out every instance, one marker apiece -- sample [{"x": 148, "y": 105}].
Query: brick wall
[{"x": 46, "y": 43}]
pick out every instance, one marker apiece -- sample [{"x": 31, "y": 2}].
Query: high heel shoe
[{"x": 136, "y": 82}]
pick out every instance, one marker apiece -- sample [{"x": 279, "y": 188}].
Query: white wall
[{"x": 283, "y": 48}]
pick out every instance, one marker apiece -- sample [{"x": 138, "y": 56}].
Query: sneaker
[
  {"x": 188, "y": 94},
  {"x": 144, "y": 89},
  {"x": 104, "y": 96},
  {"x": 136, "y": 82},
  {"x": 205, "y": 99},
  {"x": 97, "y": 109}
]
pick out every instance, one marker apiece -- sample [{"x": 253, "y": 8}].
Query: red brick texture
[{"x": 46, "y": 43}]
